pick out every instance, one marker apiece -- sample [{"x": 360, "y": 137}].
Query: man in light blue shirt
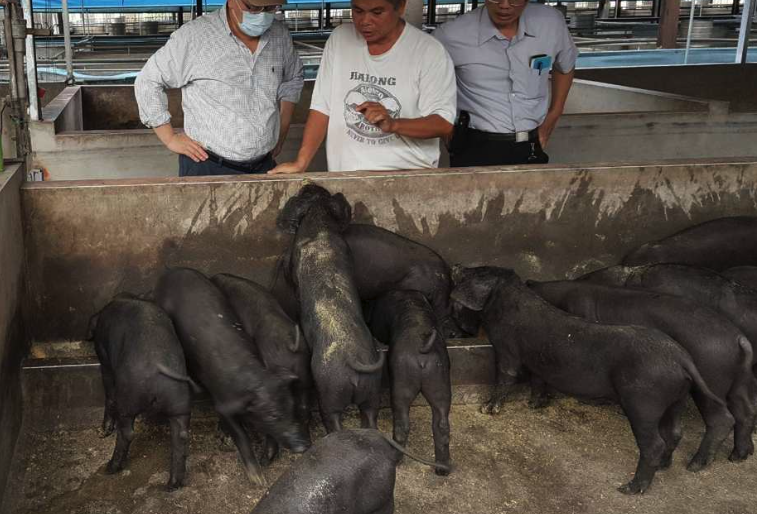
[{"x": 503, "y": 55}]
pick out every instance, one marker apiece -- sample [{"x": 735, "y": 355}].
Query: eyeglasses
[
  {"x": 512, "y": 3},
  {"x": 266, "y": 8}
]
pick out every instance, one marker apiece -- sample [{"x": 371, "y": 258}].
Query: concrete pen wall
[
  {"x": 88, "y": 240},
  {"x": 13, "y": 341}
]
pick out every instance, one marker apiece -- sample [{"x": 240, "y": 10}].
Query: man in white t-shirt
[{"x": 385, "y": 94}]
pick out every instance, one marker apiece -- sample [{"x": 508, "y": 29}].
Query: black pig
[
  {"x": 350, "y": 471},
  {"x": 718, "y": 244},
  {"x": 135, "y": 340},
  {"x": 418, "y": 363},
  {"x": 644, "y": 370},
  {"x": 223, "y": 359},
  {"x": 346, "y": 363},
  {"x": 720, "y": 351},
  {"x": 277, "y": 338},
  {"x": 384, "y": 261}
]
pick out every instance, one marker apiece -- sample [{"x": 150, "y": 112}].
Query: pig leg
[
  {"x": 644, "y": 414},
  {"x": 439, "y": 398},
  {"x": 742, "y": 405},
  {"x": 124, "y": 438},
  {"x": 225, "y": 442},
  {"x": 718, "y": 422},
  {"x": 270, "y": 450},
  {"x": 402, "y": 397},
  {"x": 179, "y": 439},
  {"x": 368, "y": 415},
  {"x": 539, "y": 398},
  {"x": 111, "y": 412},
  {"x": 671, "y": 432},
  {"x": 506, "y": 373},
  {"x": 332, "y": 421},
  {"x": 251, "y": 466}
]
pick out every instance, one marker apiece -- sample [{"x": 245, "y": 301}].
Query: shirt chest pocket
[{"x": 534, "y": 73}]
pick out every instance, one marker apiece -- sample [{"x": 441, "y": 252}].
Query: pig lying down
[{"x": 349, "y": 471}]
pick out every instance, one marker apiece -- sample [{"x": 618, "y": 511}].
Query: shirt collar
[
  {"x": 487, "y": 30},
  {"x": 224, "y": 19}
]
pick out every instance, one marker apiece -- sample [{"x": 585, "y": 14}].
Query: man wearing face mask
[{"x": 240, "y": 78}]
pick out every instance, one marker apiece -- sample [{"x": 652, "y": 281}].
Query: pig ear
[
  {"x": 474, "y": 293},
  {"x": 290, "y": 216},
  {"x": 340, "y": 208}
]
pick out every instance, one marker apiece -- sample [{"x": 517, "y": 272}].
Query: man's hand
[
  {"x": 287, "y": 167},
  {"x": 376, "y": 114},
  {"x": 546, "y": 128},
  {"x": 184, "y": 145}
]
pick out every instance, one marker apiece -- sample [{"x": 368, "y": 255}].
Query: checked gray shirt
[{"x": 230, "y": 96}]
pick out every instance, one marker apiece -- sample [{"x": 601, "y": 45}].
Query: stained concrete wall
[
  {"x": 12, "y": 335},
  {"x": 89, "y": 240}
]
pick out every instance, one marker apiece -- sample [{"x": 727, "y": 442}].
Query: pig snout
[{"x": 297, "y": 441}]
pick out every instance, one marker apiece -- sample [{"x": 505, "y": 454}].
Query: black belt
[
  {"x": 244, "y": 166},
  {"x": 533, "y": 135}
]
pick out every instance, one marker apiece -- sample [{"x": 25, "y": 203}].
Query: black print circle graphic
[{"x": 369, "y": 93}]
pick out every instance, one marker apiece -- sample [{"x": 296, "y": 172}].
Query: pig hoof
[
  {"x": 112, "y": 468},
  {"x": 257, "y": 479},
  {"x": 443, "y": 472},
  {"x": 697, "y": 464},
  {"x": 226, "y": 443},
  {"x": 174, "y": 486},
  {"x": 492, "y": 408},
  {"x": 738, "y": 456},
  {"x": 538, "y": 404},
  {"x": 633, "y": 487}
]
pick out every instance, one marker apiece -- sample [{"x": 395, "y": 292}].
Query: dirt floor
[{"x": 567, "y": 458}]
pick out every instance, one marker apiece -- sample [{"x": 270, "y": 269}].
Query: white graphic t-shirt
[{"x": 415, "y": 78}]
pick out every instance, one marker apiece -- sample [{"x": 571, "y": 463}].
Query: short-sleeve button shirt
[{"x": 496, "y": 82}]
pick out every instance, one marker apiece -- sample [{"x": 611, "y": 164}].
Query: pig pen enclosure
[{"x": 85, "y": 241}]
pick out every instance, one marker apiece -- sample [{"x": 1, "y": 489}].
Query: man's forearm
[
  {"x": 561, "y": 83},
  {"x": 315, "y": 132},
  {"x": 165, "y": 133},
  {"x": 286, "y": 110},
  {"x": 427, "y": 127}
]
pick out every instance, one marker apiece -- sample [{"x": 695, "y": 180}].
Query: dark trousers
[
  {"x": 478, "y": 149},
  {"x": 189, "y": 168}
]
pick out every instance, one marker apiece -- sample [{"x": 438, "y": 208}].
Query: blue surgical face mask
[{"x": 255, "y": 24}]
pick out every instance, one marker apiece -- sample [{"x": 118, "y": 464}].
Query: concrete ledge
[{"x": 67, "y": 392}]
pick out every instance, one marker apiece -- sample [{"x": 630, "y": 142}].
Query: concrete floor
[{"x": 567, "y": 458}]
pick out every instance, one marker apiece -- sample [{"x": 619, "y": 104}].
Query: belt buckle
[{"x": 521, "y": 137}]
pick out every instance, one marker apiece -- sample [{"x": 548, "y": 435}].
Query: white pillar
[
  {"x": 31, "y": 62},
  {"x": 414, "y": 13},
  {"x": 744, "y": 29},
  {"x": 67, "y": 44}
]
